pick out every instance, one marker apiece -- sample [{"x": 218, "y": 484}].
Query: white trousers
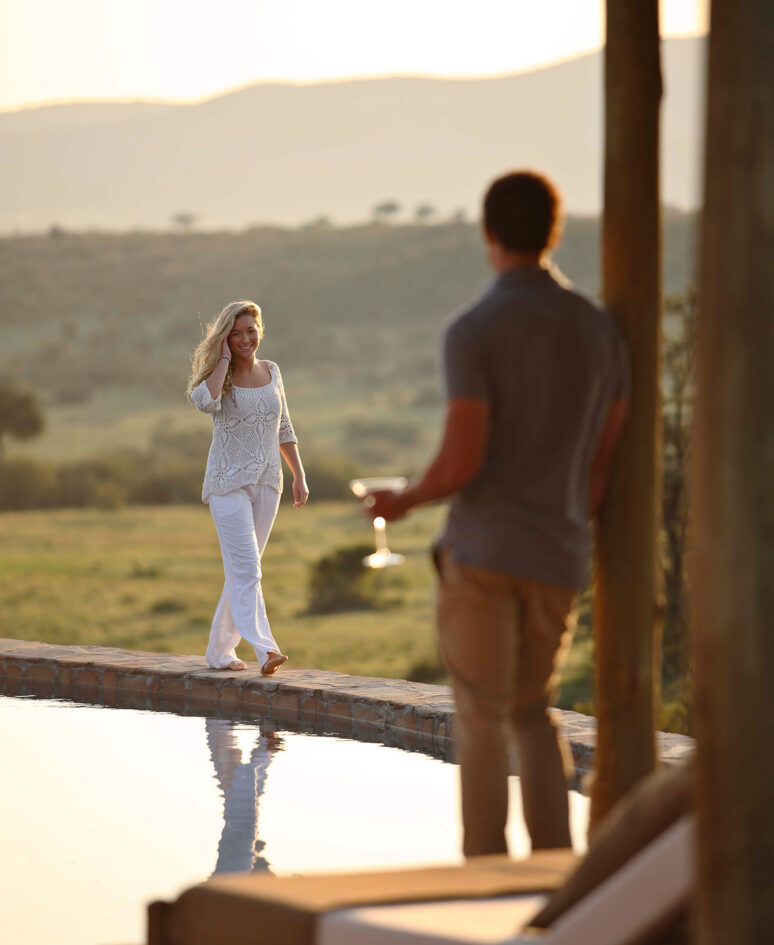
[{"x": 243, "y": 519}]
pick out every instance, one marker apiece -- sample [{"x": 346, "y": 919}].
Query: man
[{"x": 536, "y": 382}]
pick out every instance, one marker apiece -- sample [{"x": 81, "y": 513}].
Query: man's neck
[{"x": 506, "y": 260}]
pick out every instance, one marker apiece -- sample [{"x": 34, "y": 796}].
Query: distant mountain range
[{"x": 274, "y": 153}]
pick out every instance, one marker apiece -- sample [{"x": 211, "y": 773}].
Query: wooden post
[
  {"x": 628, "y": 600},
  {"x": 733, "y": 486}
]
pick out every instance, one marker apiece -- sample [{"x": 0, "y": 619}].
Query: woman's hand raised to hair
[{"x": 217, "y": 379}]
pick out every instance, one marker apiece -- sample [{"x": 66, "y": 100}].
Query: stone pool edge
[{"x": 414, "y": 716}]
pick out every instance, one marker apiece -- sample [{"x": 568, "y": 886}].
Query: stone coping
[{"x": 409, "y": 715}]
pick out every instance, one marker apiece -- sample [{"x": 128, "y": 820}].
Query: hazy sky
[{"x": 58, "y": 50}]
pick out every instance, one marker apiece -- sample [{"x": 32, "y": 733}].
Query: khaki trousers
[{"x": 503, "y": 640}]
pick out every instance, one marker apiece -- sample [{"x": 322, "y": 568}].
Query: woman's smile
[
  {"x": 244, "y": 336},
  {"x": 244, "y": 348}
]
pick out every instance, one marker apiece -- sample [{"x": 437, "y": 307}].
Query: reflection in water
[
  {"x": 147, "y": 782},
  {"x": 241, "y": 783}
]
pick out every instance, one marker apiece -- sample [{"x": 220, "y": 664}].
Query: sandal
[{"x": 273, "y": 663}]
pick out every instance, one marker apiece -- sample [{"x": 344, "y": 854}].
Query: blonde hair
[{"x": 207, "y": 354}]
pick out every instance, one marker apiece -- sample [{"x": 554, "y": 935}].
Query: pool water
[{"x": 107, "y": 809}]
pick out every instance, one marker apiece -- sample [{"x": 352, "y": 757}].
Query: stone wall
[{"x": 413, "y": 716}]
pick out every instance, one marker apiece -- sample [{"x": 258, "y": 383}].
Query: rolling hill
[{"x": 274, "y": 153}]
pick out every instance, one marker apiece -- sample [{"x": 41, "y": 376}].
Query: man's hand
[
  {"x": 386, "y": 504},
  {"x": 458, "y": 461}
]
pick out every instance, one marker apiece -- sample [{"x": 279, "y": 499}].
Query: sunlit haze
[{"x": 188, "y": 49}]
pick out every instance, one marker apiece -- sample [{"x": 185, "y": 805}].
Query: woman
[{"x": 243, "y": 482}]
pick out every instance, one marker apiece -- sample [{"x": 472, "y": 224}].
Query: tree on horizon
[
  {"x": 424, "y": 212},
  {"x": 184, "y": 219},
  {"x": 21, "y": 416},
  {"x": 386, "y": 211}
]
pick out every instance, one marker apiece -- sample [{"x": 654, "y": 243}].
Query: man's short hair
[{"x": 522, "y": 211}]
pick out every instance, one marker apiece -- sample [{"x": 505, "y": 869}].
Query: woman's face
[{"x": 243, "y": 338}]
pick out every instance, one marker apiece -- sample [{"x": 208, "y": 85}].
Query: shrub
[
  {"x": 171, "y": 484},
  {"x": 167, "y": 605},
  {"x": 100, "y": 482},
  {"x": 109, "y": 495},
  {"x": 585, "y": 707},
  {"x": 328, "y": 478},
  {"x": 339, "y": 582},
  {"x": 169, "y": 473},
  {"x": 74, "y": 489},
  {"x": 27, "y": 484},
  {"x": 143, "y": 571},
  {"x": 428, "y": 669},
  {"x": 675, "y": 717}
]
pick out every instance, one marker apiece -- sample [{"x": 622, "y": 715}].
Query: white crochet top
[{"x": 248, "y": 427}]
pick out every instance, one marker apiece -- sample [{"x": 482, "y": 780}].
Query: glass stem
[{"x": 380, "y": 533}]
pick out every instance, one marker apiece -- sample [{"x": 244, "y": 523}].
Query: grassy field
[
  {"x": 352, "y": 314},
  {"x": 149, "y": 578}
]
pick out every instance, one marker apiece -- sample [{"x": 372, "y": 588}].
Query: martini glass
[{"x": 382, "y": 557}]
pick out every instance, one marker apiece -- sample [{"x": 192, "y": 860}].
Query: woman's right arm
[
  {"x": 206, "y": 395},
  {"x": 217, "y": 379}
]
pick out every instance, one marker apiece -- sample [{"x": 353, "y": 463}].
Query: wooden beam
[
  {"x": 733, "y": 485},
  {"x": 628, "y": 600}
]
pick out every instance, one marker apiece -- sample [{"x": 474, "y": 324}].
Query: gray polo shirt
[{"x": 550, "y": 363}]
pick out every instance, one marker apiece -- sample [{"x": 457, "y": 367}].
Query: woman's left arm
[
  {"x": 289, "y": 449},
  {"x": 293, "y": 459}
]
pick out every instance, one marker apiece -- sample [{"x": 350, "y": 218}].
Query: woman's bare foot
[
  {"x": 236, "y": 665},
  {"x": 273, "y": 662}
]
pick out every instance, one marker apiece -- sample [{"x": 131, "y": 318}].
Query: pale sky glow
[{"x": 54, "y": 51}]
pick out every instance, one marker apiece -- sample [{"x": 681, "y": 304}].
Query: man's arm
[
  {"x": 603, "y": 460},
  {"x": 458, "y": 461}
]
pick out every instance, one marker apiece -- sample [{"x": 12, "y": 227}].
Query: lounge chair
[
  {"x": 641, "y": 899},
  {"x": 633, "y": 883}
]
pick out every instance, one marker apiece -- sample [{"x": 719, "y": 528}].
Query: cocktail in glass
[{"x": 382, "y": 557}]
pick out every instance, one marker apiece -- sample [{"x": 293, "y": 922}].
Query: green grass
[
  {"x": 112, "y": 421},
  {"x": 149, "y": 578},
  {"x": 118, "y": 418}
]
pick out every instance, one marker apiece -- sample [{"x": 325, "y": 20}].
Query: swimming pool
[{"x": 106, "y": 809}]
